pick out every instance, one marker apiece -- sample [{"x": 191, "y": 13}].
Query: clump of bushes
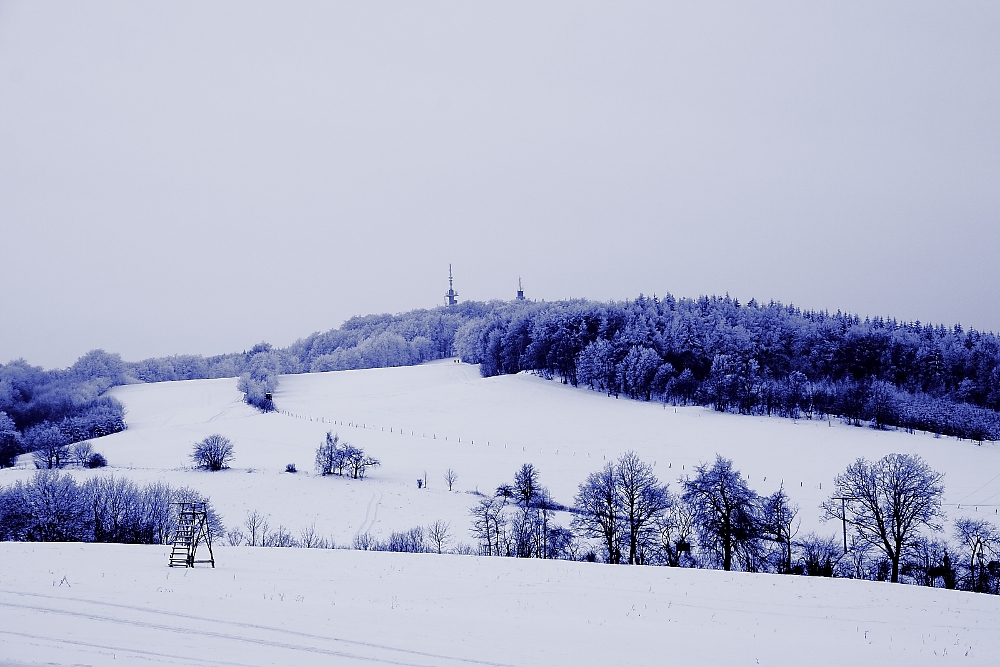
[
  {"x": 432, "y": 539},
  {"x": 291, "y": 468},
  {"x": 213, "y": 453},
  {"x": 334, "y": 457}
]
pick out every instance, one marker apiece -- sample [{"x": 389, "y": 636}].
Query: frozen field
[{"x": 296, "y": 606}]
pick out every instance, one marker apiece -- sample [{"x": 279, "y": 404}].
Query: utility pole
[{"x": 843, "y": 515}]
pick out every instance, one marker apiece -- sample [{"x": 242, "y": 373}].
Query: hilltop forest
[{"x": 748, "y": 358}]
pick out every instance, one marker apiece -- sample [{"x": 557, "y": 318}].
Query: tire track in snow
[
  {"x": 422, "y": 656},
  {"x": 114, "y": 649}
]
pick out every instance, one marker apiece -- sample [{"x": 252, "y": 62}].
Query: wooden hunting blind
[{"x": 192, "y": 530}]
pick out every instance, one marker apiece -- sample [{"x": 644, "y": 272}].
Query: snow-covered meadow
[{"x": 298, "y": 606}]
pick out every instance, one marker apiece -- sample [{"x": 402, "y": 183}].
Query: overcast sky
[{"x": 198, "y": 177}]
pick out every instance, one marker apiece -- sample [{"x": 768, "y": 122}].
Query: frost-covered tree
[
  {"x": 10, "y": 441},
  {"x": 213, "y": 453},
  {"x": 49, "y": 507}
]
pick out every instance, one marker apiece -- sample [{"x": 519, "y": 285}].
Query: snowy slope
[
  {"x": 119, "y": 605},
  {"x": 456, "y": 609},
  {"x": 441, "y": 415}
]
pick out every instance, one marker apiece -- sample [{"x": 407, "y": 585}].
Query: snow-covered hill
[
  {"x": 424, "y": 609},
  {"x": 443, "y": 415}
]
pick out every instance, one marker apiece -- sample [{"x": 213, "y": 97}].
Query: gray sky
[{"x": 197, "y": 177}]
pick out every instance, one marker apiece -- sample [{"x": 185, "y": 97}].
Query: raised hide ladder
[{"x": 192, "y": 530}]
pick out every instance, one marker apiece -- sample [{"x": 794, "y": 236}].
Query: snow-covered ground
[
  {"x": 114, "y": 604},
  {"x": 428, "y": 609}
]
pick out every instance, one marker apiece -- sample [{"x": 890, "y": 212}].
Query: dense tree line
[
  {"x": 40, "y": 409},
  {"x": 752, "y": 359},
  {"x": 891, "y": 511}
]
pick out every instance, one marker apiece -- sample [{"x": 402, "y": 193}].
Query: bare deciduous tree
[
  {"x": 598, "y": 517},
  {"x": 359, "y": 462},
  {"x": 310, "y": 539},
  {"x": 888, "y": 502},
  {"x": 333, "y": 457},
  {"x": 642, "y": 499},
  {"x": 330, "y": 456},
  {"x": 490, "y": 526},
  {"x": 725, "y": 513},
  {"x": 980, "y": 540},
  {"x": 676, "y": 532},
  {"x": 450, "y": 477},
  {"x": 779, "y": 524},
  {"x": 258, "y": 529},
  {"x": 438, "y": 535},
  {"x": 620, "y": 505}
]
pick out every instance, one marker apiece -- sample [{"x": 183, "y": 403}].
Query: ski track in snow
[
  {"x": 109, "y": 622},
  {"x": 366, "y": 525}
]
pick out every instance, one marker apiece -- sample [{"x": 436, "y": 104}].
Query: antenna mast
[{"x": 451, "y": 297}]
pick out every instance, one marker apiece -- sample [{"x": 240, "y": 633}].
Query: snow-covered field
[
  {"x": 121, "y": 605},
  {"x": 281, "y": 606}
]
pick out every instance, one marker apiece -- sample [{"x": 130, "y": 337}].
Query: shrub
[
  {"x": 290, "y": 468},
  {"x": 96, "y": 461},
  {"x": 213, "y": 453},
  {"x": 410, "y": 541}
]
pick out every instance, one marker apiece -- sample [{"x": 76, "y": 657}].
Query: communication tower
[{"x": 451, "y": 297}]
